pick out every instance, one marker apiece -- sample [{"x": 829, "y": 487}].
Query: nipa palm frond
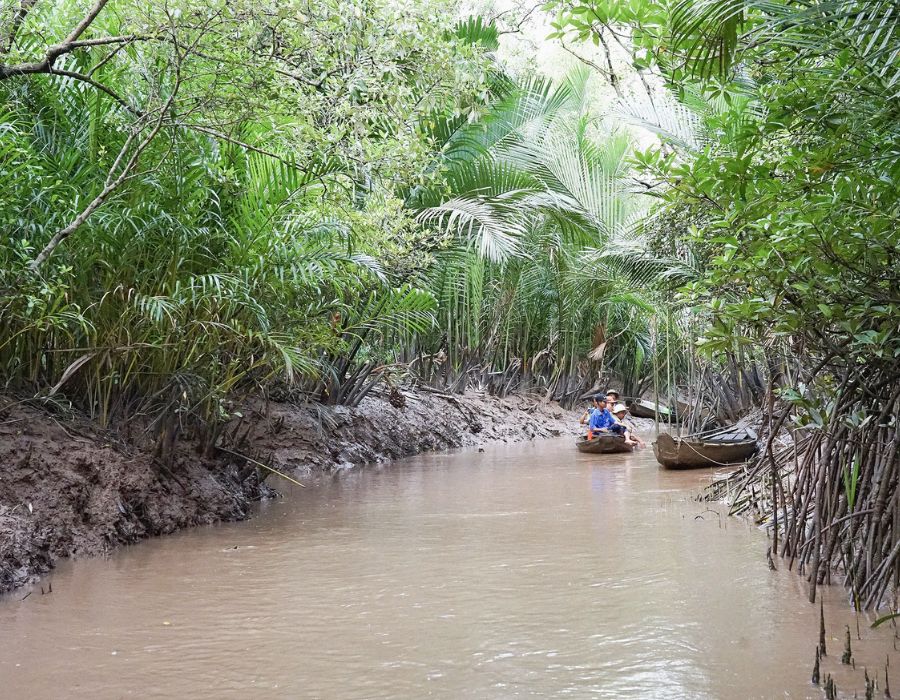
[{"x": 493, "y": 226}]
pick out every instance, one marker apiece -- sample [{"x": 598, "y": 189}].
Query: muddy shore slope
[{"x": 69, "y": 489}]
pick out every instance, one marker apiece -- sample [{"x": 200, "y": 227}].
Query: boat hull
[
  {"x": 681, "y": 453},
  {"x": 603, "y": 444}
]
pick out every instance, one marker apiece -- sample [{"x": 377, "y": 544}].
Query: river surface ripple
[{"x": 524, "y": 571}]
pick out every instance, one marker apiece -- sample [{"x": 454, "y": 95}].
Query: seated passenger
[{"x": 631, "y": 438}]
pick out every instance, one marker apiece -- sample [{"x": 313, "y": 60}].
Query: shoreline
[{"x": 69, "y": 489}]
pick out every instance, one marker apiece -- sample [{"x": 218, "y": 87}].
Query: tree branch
[
  {"x": 69, "y": 44},
  {"x": 100, "y": 86},
  {"x": 24, "y": 8},
  {"x": 225, "y": 137},
  {"x": 608, "y": 74},
  {"x": 109, "y": 187},
  {"x": 114, "y": 181},
  {"x": 107, "y": 40},
  {"x": 613, "y": 78},
  {"x": 86, "y": 22},
  {"x": 518, "y": 26},
  {"x": 640, "y": 73}
]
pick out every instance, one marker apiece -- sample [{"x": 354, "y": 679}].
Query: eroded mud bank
[{"x": 69, "y": 489}]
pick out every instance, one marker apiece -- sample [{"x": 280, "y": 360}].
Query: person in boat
[
  {"x": 620, "y": 413},
  {"x": 600, "y": 420},
  {"x": 586, "y": 416},
  {"x": 612, "y": 398}
]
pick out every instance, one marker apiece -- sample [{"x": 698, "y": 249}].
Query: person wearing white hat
[{"x": 619, "y": 411}]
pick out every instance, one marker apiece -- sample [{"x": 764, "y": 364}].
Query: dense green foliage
[
  {"x": 244, "y": 162},
  {"x": 552, "y": 264},
  {"x": 206, "y": 200},
  {"x": 785, "y": 187}
]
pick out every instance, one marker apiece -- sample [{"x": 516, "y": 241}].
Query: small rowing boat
[
  {"x": 719, "y": 448},
  {"x": 603, "y": 444},
  {"x": 647, "y": 409}
]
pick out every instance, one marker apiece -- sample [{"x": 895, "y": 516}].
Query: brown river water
[{"x": 524, "y": 571}]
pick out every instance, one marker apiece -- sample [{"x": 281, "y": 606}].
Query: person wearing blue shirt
[{"x": 599, "y": 419}]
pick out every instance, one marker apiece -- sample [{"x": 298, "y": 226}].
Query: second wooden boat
[
  {"x": 603, "y": 444},
  {"x": 692, "y": 452},
  {"x": 647, "y": 409}
]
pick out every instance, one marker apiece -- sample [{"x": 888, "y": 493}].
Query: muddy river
[{"x": 523, "y": 571}]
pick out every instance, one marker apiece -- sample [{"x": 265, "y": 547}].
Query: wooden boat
[
  {"x": 647, "y": 409},
  {"x": 603, "y": 444},
  {"x": 715, "y": 449}
]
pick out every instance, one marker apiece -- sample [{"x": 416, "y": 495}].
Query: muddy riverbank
[{"x": 69, "y": 489}]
